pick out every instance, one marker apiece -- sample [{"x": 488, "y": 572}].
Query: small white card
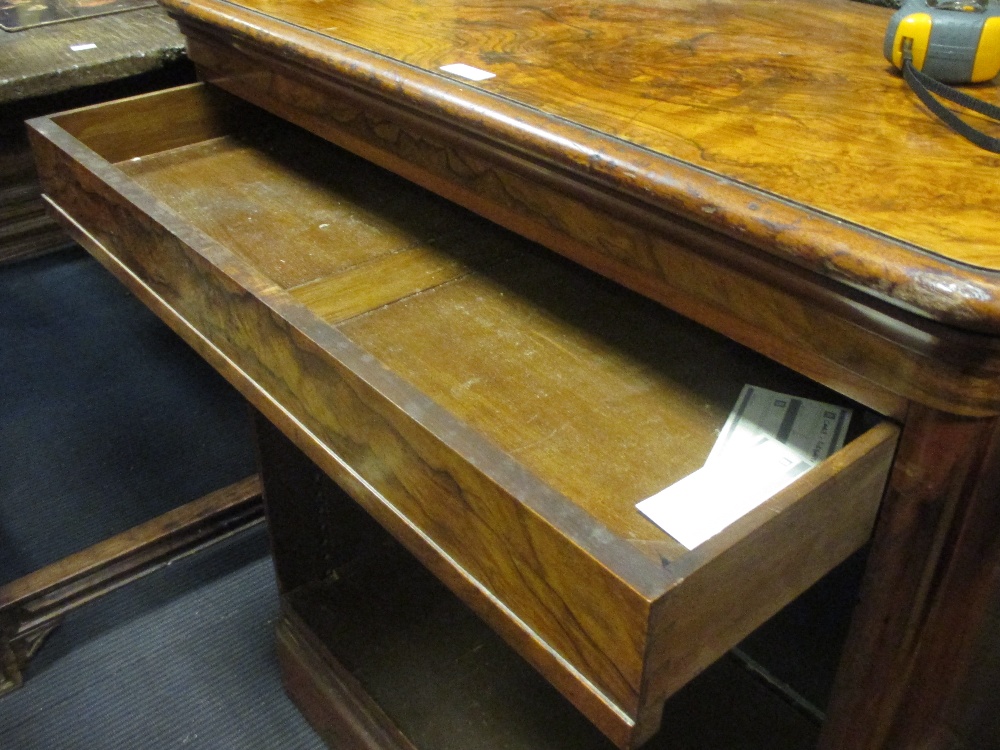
[
  {"x": 769, "y": 440},
  {"x": 708, "y": 500},
  {"x": 467, "y": 71}
]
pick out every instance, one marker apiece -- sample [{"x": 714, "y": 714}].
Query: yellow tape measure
[{"x": 954, "y": 41}]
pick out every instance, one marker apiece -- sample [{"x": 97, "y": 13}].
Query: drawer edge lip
[{"x": 901, "y": 273}]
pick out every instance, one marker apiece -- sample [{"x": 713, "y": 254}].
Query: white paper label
[
  {"x": 82, "y": 47},
  {"x": 814, "y": 429},
  {"x": 467, "y": 71},
  {"x": 769, "y": 440}
]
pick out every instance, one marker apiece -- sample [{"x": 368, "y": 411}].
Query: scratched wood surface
[
  {"x": 791, "y": 99},
  {"x": 598, "y": 391}
]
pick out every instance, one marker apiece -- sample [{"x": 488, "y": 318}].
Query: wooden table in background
[
  {"x": 121, "y": 55},
  {"x": 134, "y": 51}
]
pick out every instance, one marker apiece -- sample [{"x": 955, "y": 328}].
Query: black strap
[{"x": 923, "y": 86}]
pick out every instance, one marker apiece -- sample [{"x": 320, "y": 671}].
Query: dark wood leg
[
  {"x": 931, "y": 585},
  {"x": 16, "y": 650},
  {"x": 32, "y": 606},
  {"x": 315, "y": 527},
  {"x": 317, "y": 533},
  {"x": 972, "y": 718}
]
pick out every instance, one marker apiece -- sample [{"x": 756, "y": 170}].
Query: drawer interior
[{"x": 602, "y": 394}]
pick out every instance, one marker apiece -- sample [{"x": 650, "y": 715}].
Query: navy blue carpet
[{"x": 108, "y": 420}]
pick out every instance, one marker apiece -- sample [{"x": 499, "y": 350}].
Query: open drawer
[{"x": 498, "y": 409}]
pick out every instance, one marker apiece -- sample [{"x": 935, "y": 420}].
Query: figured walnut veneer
[
  {"x": 754, "y": 167},
  {"x": 498, "y": 409}
]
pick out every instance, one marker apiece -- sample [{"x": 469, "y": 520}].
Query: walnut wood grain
[
  {"x": 496, "y": 512},
  {"x": 930, "y": 584},
  {"x": 775, "y": 133},
  {"x": 969, "y": 718},
  {"x": 816, "y": 326}
]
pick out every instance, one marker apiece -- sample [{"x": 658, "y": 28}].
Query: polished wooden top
[{"x": 826, "y": 157}]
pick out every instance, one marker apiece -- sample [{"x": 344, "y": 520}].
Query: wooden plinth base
[{"x": 382, "y": 657}]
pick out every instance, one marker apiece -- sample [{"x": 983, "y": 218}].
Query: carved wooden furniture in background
[
  {"x": 754, "y": 168},
  {"x": 31, "y": 606}
]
